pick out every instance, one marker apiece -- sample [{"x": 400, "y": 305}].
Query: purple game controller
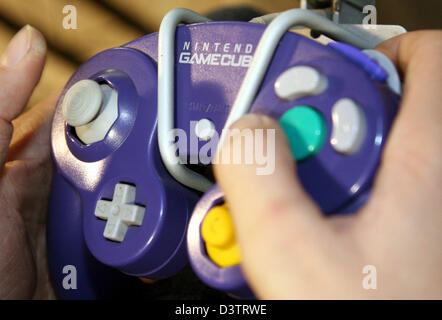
[{"x": 118, "y": 211}]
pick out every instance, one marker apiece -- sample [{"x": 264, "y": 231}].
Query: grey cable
[
  {"x": 250, "y": 85},
  {"x": 166, "y": 98}
]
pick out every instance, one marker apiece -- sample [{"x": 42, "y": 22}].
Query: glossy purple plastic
[
  {"x": 361, "y": 59},
  {"x": 129, "y": 154},
  {"x": 334, "y": 179}
]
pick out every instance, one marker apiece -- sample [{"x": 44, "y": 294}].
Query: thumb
[
  {"x": 274, "y": 217},
  {"x": 21, "y": 66}
]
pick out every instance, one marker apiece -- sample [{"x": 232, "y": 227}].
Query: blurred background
[{"x": 103, "y": 24}]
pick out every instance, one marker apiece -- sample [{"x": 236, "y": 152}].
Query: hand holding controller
[{"x": 125, "y": 212}]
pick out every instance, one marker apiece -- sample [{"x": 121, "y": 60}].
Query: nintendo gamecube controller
[{"x": 123, "y": 193}]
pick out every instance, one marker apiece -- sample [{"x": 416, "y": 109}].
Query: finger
[
  {"x": 274, "y": 218},
  {"x": 413, "y": 151},
  {"x": 21, "y": 66},
  {"x": 31, "y": 138}
]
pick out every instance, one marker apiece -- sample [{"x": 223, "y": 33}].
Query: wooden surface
[
  {"x": 101, "y": 25},
  {"x": 149, "y": 13},
  {"x": 109, "y": 23}
]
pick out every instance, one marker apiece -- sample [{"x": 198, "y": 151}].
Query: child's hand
[
  {"x": 26, "y": 170},
  {"x": 290, "y": 250}
]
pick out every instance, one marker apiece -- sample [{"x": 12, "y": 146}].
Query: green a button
[{"x": 305, "y": 129}]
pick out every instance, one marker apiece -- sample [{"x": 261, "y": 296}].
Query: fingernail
[
  {"x": 252, "y": 121},
  {"x": 21, "y": 44}
]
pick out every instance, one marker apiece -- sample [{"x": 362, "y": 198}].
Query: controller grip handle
[{"x": 74, "y": 272}]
